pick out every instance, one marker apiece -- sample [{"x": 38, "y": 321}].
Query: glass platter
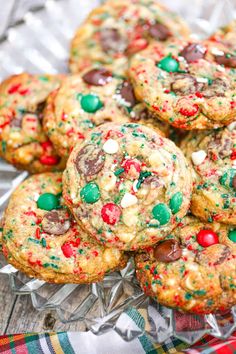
[{"x": 40, "y": 44}]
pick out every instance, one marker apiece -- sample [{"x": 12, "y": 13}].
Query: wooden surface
[{"x": 18, "y": 314}]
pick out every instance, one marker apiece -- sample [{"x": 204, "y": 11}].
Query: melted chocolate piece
[
  {"x": 127, "y": 93},
  {"x": 220, "y": 145},
  {"x": 226, "y": 60},
  {"x": 234, "y": 183},
  {"x": 193, "y": 52},
  {"x": 213, "y": 255},
  {"x": 153, "y": 181},
  {"x": 16, "y": 122},
  {"x": 184, "y": 84},
  {"x": 56, "y": 222},
  {"x": 112, "y": 41},
  {"x": 167, "y": 251},
  {"x": 97, "y": 77},
  {"x": 159, "y": 32},
  {"x": 217, "y": 88},
  {"x": 90, "y": 160}
]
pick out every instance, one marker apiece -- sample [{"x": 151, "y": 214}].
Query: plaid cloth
[{"x": 87, "y": 343}]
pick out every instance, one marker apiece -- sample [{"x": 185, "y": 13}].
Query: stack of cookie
[{"x": 138, "y": 81}]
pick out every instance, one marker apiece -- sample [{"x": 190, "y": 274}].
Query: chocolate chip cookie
[
  {"x": 193, "y": 269},
  {"x": 85, "y": 101},
  {"x": 182, "y": 84},
  {"x": 212, "y": 155},
  {"x": 116, "y": 30},
  {"x": 41, "y": 238},
  {"x": 22, "y": 140},
  {"x": 127, "y": 185}
]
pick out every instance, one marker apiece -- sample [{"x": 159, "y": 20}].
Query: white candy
[
  {"x": 202, "y": 79},
  {"x": 111, "y": 146},
  {"x": 198, "y": 157},
  {"x": 128, "y": 200},
  {"x": 216, "y": 51},
  {"x": 231, "y": 126}
]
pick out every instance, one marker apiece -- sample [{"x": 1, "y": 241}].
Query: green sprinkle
[
  {"x": 37, "y": 242},
  {"x": 143, "y": 175},
  {"x": 188, "y": 296},
  {"x": 4, "y": 146},
  {"x": 119, "y": 171},
  {"x": 200, "y": 292},
  {"x": 43, "y": 241}
]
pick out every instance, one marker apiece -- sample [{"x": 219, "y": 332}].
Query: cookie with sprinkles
[
  {"x": 193, "y": 269},
  {"x": 116, "y": 30},
  {"x": 22, "y": 140},
  {"x": 85, "y": 101},
  {"x": 41, "y": 238},
  {"x": 182, "y": 84},
  {"x": 212, "y": 155},
  {"x": 127, "y": 185}
]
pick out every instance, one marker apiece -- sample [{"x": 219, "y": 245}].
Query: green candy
[
  {"x": 232, "y": 235},
  {"x": 176, "y": 202},
  {"x": 169, "y": 64},
  {"x": 226, "y": 179},
  {"x": 48, "y": 201},
  {"x": 90, "y": 103},
  {"x": 90, "y": 193},
  {"x": 161, "y": 213}
]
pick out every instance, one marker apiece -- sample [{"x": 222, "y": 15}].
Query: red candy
[
  {"x": 110, "y": 213},
  {"x": 132, "y": 163},
  {"x": 67, "y": 250},
  {"x": 48, "y": 160},
  {"x": 207, "y": 238}
]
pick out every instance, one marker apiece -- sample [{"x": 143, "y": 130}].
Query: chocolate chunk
[
  {"x": 139, "y": 112},
  {"x": 220, "y": 145},
  {"x": 154, "y": 181},
  {"x": 226, "y": 60},
  {"x": 90, "y": 160},
  {"x": 184, "y": 84},
  {"x": 193, "y": 52},
  {"x": 167, "y": 251},
  {"x": 56, "y": 222},
  {"x": 97, "y": 77},
  {"x": 16, "y": 122},
  {"x": 159, "y": 31},
  {"x": 213, "y": 255},
  {"x": 234, "y": 183},
  {"x": 112, "y": 41},
  {"x": 217, "y": 88},
  {"x": 127, "y": 93}
]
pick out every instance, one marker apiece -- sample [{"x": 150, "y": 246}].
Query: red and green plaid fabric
[{"x": 73, "y": 343}]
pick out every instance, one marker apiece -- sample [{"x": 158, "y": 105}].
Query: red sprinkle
[
  {"x": 46, "y": 145},
  {"x": 14, "y": 88},
  {"x": 37, "y": 233},
  {"x": 131, "y": 163}
]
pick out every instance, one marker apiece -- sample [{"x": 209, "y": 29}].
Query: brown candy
[
  {"x": 234, "y": 183},
  {"x": 90, "y": 160},
  {"x": 112, "y": 41},
  {"x": 213, "y": 255},
  {"x": 226, "y": 60},
  {"x": 97, "y": 77},
  {"x": 167, "y": 251},
  {"x": 220, "y": 145},
  {"x": 159, "y": 31},
  {"x": 184, "y": 84},
  {"x": 56, "y": 222},
  {"x": 217, "y": 88},
  {"x": 193, "y": 52},
  {"x": 127, "y": 93}
]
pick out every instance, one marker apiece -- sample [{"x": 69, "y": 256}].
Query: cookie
[
  {"x": 41, "y": 238},
  {"x": 127, "y": 185},
  {"x": 193, "y": 270},
  {"x": 116, "y": 30},
  {"x": 85, "y": 101},
  {"x": 212, "y": 156},
  {"x": 22, "y": 140},
  {"x": 183, "y": 86}
]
